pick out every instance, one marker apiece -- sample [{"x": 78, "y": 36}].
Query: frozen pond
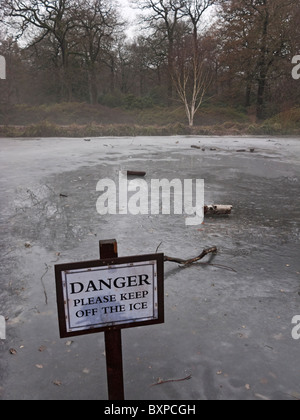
[{"x": 228, "y": 325}]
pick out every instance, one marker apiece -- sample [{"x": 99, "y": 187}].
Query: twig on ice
[
  {"x": 186, "y": 263},
  {"x": 43, "y": 284},
  {"x": 160, "y": 381},
  {"x": 212, "y": 250},
  {"x": 158, "y": 248}
]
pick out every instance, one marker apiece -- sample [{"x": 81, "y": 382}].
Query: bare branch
[{"x": 203, "y": 254}]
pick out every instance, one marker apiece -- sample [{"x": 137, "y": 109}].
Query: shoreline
[{"x": 46, "y": 129}]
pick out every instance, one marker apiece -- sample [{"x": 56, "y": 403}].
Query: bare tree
[
  {"x": 194, "y": 10},
  {"x": 164, "y": 16},
  {"x": 191, "y": 79},
  {"x": 43, "y": 18},
  {"x": 256, "y": 36},
  {"x": 97, "y": 25},
  {"x": 191, "y": 76}
]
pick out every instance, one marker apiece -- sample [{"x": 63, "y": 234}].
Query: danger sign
[{"x": 99, "y": 295}]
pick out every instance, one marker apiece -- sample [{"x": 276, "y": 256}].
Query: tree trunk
[
  {"x": 262, "y": 68},
  {"x": 261, "y": 96},
  {"x": 170, "y": 69},
  {"x": 248, "y": 94},
  {"x": 66, "y": 85},
  {"x": 93, "y": 88},
  {"x": 112, "y": 75}
]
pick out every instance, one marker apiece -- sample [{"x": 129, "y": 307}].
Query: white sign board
[{"x": 95, "y": 297}]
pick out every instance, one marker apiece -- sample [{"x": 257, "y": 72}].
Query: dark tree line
[{"x": 236, "y": 51}]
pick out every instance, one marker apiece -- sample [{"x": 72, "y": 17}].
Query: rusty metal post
[{"x": 113, "y": 340}]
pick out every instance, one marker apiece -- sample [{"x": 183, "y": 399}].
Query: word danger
[{"x": 118, "y": 283}]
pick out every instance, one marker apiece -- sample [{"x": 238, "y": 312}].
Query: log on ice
[{"x": 217, "y": 209}]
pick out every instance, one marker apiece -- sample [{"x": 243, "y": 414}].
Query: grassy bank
[{"x": 83, "y": 120}]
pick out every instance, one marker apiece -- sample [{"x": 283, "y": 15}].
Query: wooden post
[{"x": 113, "y": 340}]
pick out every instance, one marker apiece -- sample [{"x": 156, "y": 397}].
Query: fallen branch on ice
[
  {"x": 161, "y": 381},
  {"x": 212, "y": 250},
  {"x": 186, "y": 263}
]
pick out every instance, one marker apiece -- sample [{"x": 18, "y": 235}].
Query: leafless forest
[{"x": 185, "y": 56}]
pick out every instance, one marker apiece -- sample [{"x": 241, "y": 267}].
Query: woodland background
[{"x": 192, "y": 67}]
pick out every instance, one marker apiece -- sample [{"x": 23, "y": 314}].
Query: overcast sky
[
  {"x": 130, "y": 14},
  {"x": 125, "y": 4}
]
